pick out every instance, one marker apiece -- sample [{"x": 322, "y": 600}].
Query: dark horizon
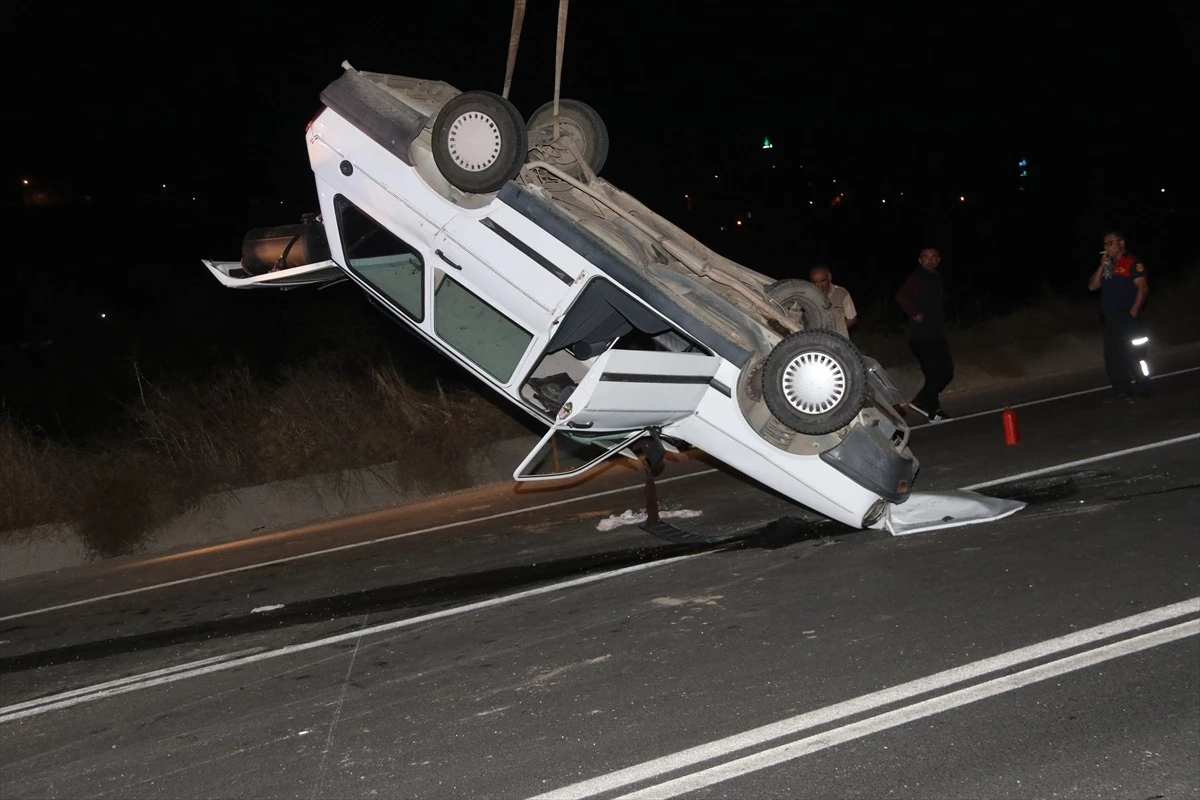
[
  {"x": 154, "y": 147},
  {"x": 218, "y": 106}
]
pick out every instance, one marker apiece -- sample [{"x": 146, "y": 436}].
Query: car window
[
  {"x": 476, "y": 330},
  {"x": 383, "y": 260}
]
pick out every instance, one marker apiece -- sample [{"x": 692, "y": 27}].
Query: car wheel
[
  {"x": 479, "y": 141},
  {"x": 583, "y": 125},
  {"x": 815, "y": 381},
  {"x": 805, "y": 302}
]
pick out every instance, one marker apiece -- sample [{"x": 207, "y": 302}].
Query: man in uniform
[{"x": 1122, "y": 281}]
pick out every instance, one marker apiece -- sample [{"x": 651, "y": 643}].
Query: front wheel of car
[
  {"x": 815, "y": 382},
  {"x": 479, "y": 142}
]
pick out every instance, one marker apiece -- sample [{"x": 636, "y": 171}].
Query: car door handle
[
  {"x": 573, "y": 424},
  {"x": 442, "y": 256}
]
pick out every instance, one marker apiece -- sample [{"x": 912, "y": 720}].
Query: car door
[
  {"x": 235, "y": 276},
  {"x": 529, "y": 273},
  {"x": 625, "y": 394}
]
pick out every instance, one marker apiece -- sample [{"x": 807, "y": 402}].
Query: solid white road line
[
  {"x": 1044, "y": 400},
  {"x": 145, "y": 676},
  {"x": 449, "y": 525},
  {"x": 1081, "y": 462},
  {"x": 901, "y": 716},
  {"x": 171, "y": 675},
  {"x": 354, "y": 545},
  {"x": 755, "y": 737}
]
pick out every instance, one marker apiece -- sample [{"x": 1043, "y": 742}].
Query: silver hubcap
[
  {"x": 814, "y": 383},
  {"x": 474, "y": 141}
]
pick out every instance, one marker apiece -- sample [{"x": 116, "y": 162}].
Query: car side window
[
  {"x": 476, "y": 330},
  {"x": 391, "y": 266}
]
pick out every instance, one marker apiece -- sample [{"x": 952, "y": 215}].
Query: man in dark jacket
[{"x": 922, "y": 299}]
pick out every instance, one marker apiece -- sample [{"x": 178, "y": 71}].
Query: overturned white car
[{"x": 493, "y": 238}]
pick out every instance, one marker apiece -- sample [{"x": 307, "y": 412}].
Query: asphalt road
[{"x": 509, "y": 645}]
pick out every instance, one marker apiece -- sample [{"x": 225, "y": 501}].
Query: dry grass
[
  {"x": 182, "y": 441},
  {"x": 31, "y": 473}
]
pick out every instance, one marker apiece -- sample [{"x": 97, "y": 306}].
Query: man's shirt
[
  {"x": 1117, "y": 287},
  {"x": 843, "y": 308}
]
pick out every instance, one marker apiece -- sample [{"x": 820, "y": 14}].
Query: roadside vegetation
[
  {"x": 181, "y": 437},
  {"x": 184, "y": 439}
]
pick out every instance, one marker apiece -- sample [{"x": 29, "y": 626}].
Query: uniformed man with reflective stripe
[{"x": 1122, "y": 281}]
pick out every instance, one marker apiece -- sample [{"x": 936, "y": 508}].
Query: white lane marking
[
  {"x": 901, "y": 716},
  {"x": 869, "y": 702},
  {"x": 1082, "y": 461},
  {"x": 499, "y": 515},
  {"x": 99, "y": 687},
  {"x": 1043, "y": 400},
  {"x": 196, "y": 669},
  {"x": 339, "y": 548}
]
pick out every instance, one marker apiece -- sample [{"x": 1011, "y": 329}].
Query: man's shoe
[{"x": 939, "y": 416}]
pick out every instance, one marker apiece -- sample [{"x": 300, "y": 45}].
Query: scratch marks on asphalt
[
  {"x": 546, "y": 676},
  {"x": 236, "y": 661},
  {"x": 710, "y": 600},
  {"x": 337, "y": 712}
]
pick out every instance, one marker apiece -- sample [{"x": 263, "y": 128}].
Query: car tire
[
  {"x": 479, "y": 142},
  {"x": 815, "y": 382},
  {"x": 805, "y": 302},
  {"x": 579, "y": 121}
]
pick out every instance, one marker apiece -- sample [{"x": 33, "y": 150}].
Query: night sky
[
  {"x": 211, "y": 100},
  {"x": 214, "y": 98}
]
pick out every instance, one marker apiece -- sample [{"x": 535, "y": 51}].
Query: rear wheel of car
[
  {"x": 815, "y": 382},
  {"x": 479, "y": 141},
  {"x": 805, "y": 302},
  {"x": 580, "y": 123}
]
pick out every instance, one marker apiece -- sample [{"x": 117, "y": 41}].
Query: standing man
[
  {"x": 843, "y": 306},
  {"x": 922, "y": 299},
  {"x": 1122, "y": 281}
]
